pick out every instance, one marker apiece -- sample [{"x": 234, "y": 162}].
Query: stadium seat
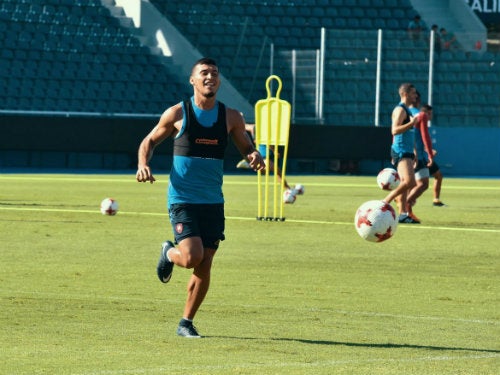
[
  {"x": 366, "y": 23},
  {"x": 50, "y": 41}
]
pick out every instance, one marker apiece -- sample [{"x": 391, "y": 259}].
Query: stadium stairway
[{"x": 158, "y": 32}]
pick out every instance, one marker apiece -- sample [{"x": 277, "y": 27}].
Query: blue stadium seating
[
  {"x": 68, "y": 55},
  {"x": 73, "y": 55}
]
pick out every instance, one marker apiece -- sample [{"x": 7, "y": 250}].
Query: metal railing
[{"x": 356, "y": 81}]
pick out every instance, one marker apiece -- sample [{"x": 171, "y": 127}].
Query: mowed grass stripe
[
  {"x": 92, "y": 297},
  {"x": 315, "y": 222},
  {"x": 291, "y": 365}
]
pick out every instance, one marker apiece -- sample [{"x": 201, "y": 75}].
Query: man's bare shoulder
[
  {"x": 232, "y": 112},
  {"x": 398, "y": 109},
  {"x": 172, "y": 114},
  {"x": 234, "y": 119}
]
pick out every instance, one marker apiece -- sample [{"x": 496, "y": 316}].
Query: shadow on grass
[
  {"x": 364, "y": 345},
  {"x": 389, "y": 345}
]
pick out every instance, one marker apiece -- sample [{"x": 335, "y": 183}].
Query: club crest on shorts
[{"x": 179, "y": 228}]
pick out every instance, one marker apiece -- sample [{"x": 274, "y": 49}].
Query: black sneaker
[
  {"x": 438, "y": 204},
  {"x": 187, "y": 329},
  {"x": 406, "y": 219},
  {"x": 165, "y": 267}
]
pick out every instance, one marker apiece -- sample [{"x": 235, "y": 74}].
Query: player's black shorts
[
  {"x": 433, "y": 168},
  {"x": 198, "y": 220},
  {"x": 396, "y": 157}
]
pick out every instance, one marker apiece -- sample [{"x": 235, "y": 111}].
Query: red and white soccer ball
[
  {"x": 375, "y": 221},
  {"x": 299, "y": 189},
  {"x": 109, "y": 207},
  {"x": 388, "y": 179},
  {"x": 289, "y": 196}
]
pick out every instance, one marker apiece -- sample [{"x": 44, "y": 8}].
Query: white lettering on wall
[{"x": 484, "y": 6}]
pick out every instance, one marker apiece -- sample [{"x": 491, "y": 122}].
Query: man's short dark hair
[
  {"x": 405, "y": 88},
  {"x": 204, "y": 61}
]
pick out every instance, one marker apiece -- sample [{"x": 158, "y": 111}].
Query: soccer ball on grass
[
  {"x": 375, "y": 221},
  {"x": 289, "y": 196},
  {"x": 299, "y": 189},
  {"x": 109, "y": 206},
  {"x": 388, "y": 179}
]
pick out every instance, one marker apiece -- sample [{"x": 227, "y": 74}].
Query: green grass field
[{"x": 79, "y": 293}]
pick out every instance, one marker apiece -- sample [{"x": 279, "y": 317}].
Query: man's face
[
  {"x": 205, "y": 80},
  {"x": 412, "y": 95}
]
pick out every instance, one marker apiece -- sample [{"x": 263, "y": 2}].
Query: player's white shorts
[{"x": 421, "y": 171}]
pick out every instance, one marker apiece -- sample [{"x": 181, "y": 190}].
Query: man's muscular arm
[{"x": 162, "y": 130}]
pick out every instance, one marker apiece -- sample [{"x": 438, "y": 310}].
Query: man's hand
[
  {"x": 144, "y": 174},
  {"x": 413, "y": 121},
  {"x": 256, "y": 161}
]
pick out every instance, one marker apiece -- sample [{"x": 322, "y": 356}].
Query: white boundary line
[{"x": 461, "y": 229}]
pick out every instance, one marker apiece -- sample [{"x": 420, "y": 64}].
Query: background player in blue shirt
[{"x": 402, "y": 149}]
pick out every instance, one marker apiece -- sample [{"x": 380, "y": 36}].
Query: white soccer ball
[
  {"x": 289, "y": 196},
  {"x": 375, "y": 221},
  {"x": 388, "y": 179},
  {"x": 299, "y": 189},
  {"x": 109, "y": 206}
]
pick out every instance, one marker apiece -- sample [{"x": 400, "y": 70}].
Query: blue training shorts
[
  {"x": 206, "y": 221},
  {"x": 396, "y": 157}
]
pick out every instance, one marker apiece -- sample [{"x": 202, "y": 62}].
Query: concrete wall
[{"x": 467, "y": 151}]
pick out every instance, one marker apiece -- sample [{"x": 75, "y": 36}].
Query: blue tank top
[
  {"x": 198, "y": 161},
  {"x": 404, "y": 143}
]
